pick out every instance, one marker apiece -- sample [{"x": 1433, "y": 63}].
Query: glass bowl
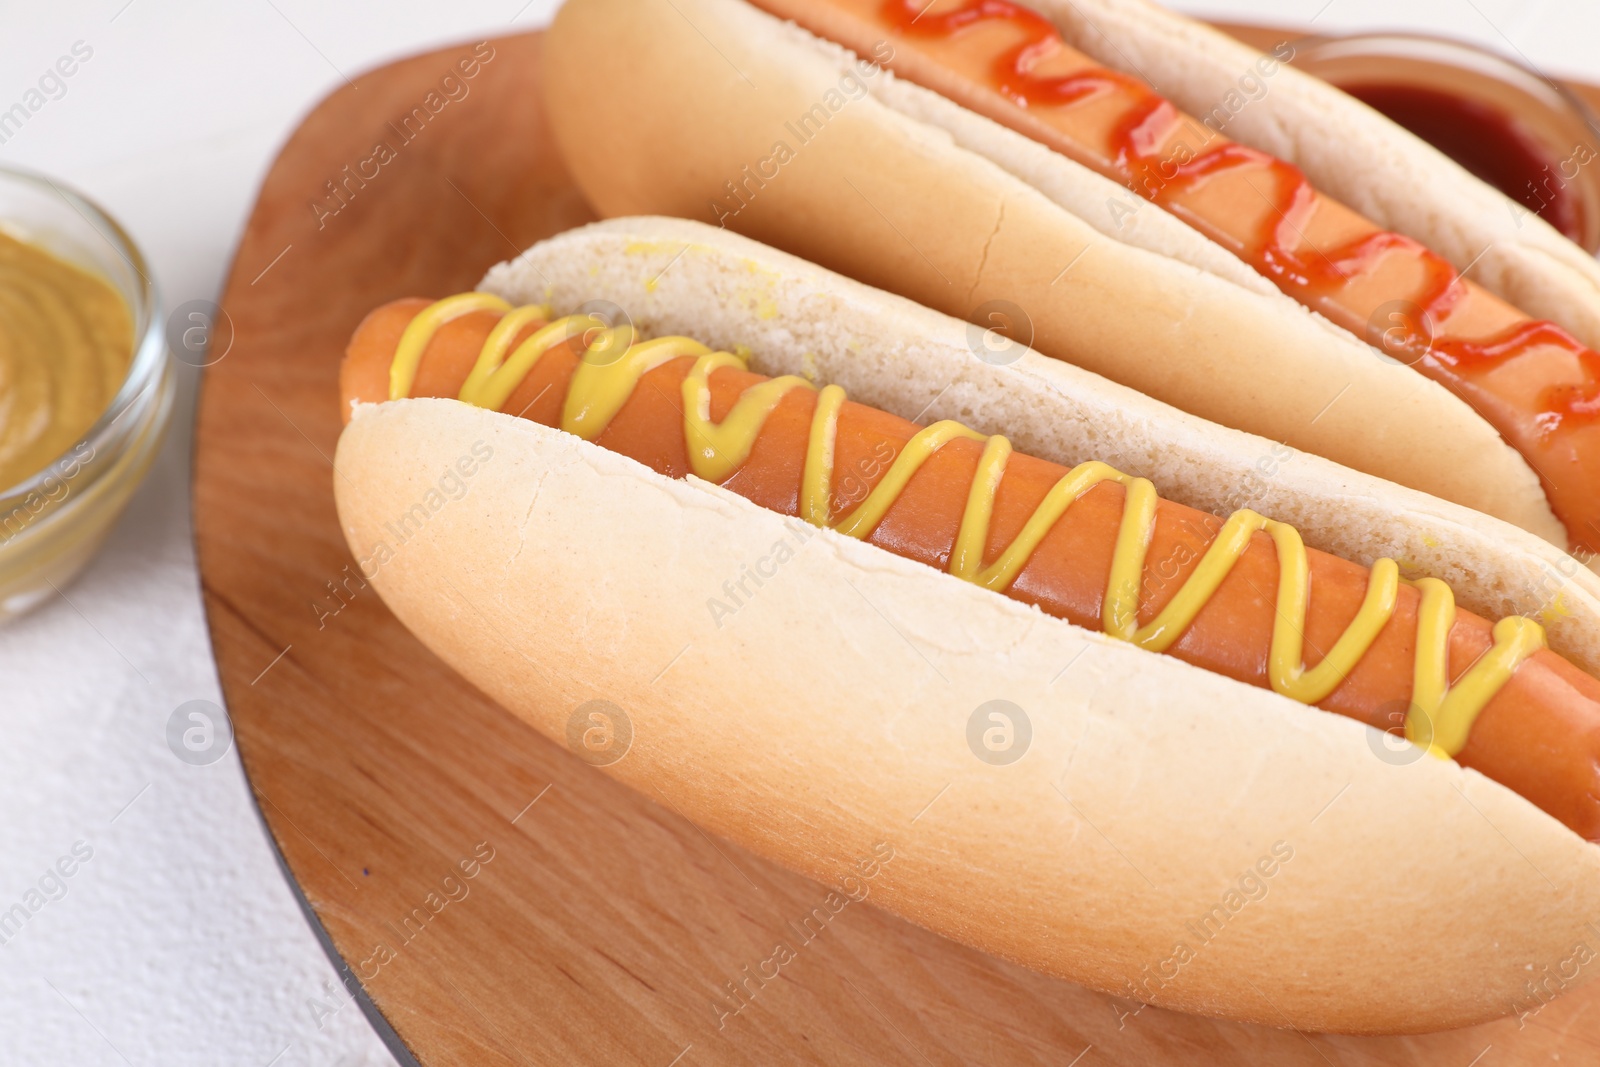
[
  {"x": 52, "y": 523},
  {"x": 1541, "y": 113}
]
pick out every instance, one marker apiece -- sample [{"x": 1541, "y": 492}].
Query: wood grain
[{"x": 604, "y": 929}]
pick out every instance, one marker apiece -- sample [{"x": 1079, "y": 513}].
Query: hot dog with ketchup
[
  {"x": 998, "y": 68},
  {"x": 588, "y": 560}
]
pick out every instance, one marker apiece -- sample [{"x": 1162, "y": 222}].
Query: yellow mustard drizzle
[
  {"x": 1441, "y": 714},
  {"x": 420, "y": 330}
]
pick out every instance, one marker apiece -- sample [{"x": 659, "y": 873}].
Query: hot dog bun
[
  {"x": 823, "y": 719},
  {"x": 905, "y": 190}
]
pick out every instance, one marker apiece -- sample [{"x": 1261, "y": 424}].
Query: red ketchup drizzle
[{"x": 1136, "y": 142}]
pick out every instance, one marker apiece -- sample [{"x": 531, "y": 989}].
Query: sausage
[
  {"x": 1539, "y": 735},
  {"x": 1531, "y": 380}
]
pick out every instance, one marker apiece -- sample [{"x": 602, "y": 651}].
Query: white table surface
[{"x": 179, "y": 941}]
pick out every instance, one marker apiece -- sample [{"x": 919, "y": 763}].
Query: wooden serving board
[{"x": 602, "y": 927}]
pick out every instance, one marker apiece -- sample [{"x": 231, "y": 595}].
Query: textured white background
[{"x": 179, "y": 943}]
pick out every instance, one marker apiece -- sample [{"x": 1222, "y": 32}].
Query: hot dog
[
  {"x": 1538, "y": 733},
  {"x": 996, "y": 68},
  {"x": 562, "y": 575}
]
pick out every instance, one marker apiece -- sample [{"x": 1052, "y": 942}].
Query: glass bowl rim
[{"x": 1445, "y": 44}]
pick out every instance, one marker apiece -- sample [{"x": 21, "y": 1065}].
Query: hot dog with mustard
[
  {"x": 1081, "y": 543},
  {"x": 913, "y": 564}
]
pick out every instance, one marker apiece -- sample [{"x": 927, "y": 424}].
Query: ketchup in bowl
[
  {"x": 1527, "y": 136},
  {"x": 1489, "y": 142}
]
